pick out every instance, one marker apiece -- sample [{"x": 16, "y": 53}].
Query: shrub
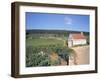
[
  {"x": 65, "y": 53},
  {"x": 39, "y": 56},
  {"x": 34, "y": 58}
]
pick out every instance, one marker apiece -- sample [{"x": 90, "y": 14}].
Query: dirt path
[
  {"x": 82, "y": 54},
  {"x": 55, "y": 57}
]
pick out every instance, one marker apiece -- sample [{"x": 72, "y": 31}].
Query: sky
[{"x": 51, "y": 21}]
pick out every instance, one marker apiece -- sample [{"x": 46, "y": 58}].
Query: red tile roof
[{"x": 78, "y": 36}]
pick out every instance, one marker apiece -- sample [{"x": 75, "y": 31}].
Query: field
[
  {"x": 35, "y": 42},
  {"x": 49, "y": 49},
  {"x": 46, "y": 51}
]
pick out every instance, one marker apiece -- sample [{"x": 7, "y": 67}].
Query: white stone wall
[{"x": 79, "y": 42}]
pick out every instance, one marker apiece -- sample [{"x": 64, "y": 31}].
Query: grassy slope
[{"x": 43, "y": 42}]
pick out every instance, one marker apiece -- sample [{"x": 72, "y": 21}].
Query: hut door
[{"x": 70, "y": 43}]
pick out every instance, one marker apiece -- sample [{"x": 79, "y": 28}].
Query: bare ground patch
[{"x": 82, "y": 54}]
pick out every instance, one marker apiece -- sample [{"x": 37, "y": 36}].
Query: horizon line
[{"x": 58, "y": 29}]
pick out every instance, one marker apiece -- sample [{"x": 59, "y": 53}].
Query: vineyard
[{"x": 40, "y": 49}]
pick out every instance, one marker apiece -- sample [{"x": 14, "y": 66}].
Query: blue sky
[{"x": 50, "y": 21}]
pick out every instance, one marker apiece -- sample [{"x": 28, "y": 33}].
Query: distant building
[{"x": 76, "y": 39}]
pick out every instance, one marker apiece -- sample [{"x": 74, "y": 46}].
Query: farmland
[
  {"x": 47, "y": 48},
  {"x": 40, "y": 51},
  {"x": 43, "y": 42}
]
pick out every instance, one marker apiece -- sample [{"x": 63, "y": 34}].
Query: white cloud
[{"x": 68, "y": 21}]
